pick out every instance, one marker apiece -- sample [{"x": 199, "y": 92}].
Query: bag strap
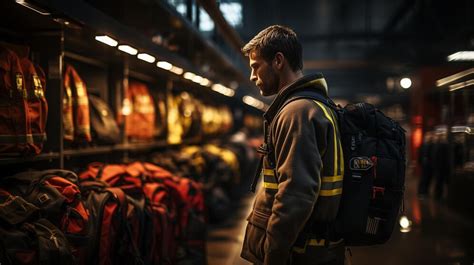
[{"x": 265, "y": 149}]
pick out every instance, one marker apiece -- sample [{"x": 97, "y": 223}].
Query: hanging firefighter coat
[{"x": 302, "y": 181}]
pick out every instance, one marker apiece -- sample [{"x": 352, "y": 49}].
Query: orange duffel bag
[{"x": 76, "y": 117}]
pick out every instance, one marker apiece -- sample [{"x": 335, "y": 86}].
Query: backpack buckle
[{"x": 376, "y": 190}]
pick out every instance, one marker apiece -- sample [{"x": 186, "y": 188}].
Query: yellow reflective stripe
[
  {"x": 332, "y": 178},
  {"x": 334, "y": 131},
  {"x": 268, "y": 172},
  {"x": 315, "y": 242},
  {"x": 319, "y": 81},
  {"x": 341, "y": 156},
  {"x": 269, "y": 185},
  {"x": 333, "y": 192}
]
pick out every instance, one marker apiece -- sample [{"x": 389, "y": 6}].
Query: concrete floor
[{"x": 438, "y": 235}]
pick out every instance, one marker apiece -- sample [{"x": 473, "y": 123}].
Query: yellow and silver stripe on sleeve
[
  {"x": 331, "y": 185},
  {"x": 269, "y": 179}
]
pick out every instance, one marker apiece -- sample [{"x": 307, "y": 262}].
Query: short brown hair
[{"x": 275, "y": 39}]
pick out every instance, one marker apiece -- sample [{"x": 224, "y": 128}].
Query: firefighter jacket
[{"x": 302, "y": 181}]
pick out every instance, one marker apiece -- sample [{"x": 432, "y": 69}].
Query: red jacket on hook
[{"x": 76, "y": 117}]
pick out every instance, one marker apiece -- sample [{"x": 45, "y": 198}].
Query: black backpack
[
  {"x": 374, "y": 172},
  {"x": 25, "y": 238},
  {"x": 104, "y": 128}
]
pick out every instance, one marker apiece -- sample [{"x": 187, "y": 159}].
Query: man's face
[{"x": 263, "y": 75}]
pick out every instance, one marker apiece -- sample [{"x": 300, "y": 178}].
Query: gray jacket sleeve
[{"x": 299, "y": 134}]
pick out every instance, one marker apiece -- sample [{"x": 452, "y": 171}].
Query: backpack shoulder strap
[{"x": 310, "y": 94}]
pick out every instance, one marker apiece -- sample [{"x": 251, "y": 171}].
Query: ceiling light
[
  {"x": 128, "y": 49},
  {"x": 106, "y": 40},
  {"x": 462, "y": 129},
  {"x": 164, "y": 65},
  {"x": 253, "y": 102},
  {"x": 223, "y": 90},
  {"x": 405, "y": 83},
  {"x": 405, "y": 224},
  {"x": 176, "y": 70},
  {"x": 197, "y": 79},
  {"x": 460, "y": 85},
  {"x": 33, "y": 7},
  {"x": 146, "y": 57},
  {"x": 189, "y": 75},
  {"x": 452, "y": 78},
  {"x": 462, "y": 56},
  {"x": 205, "y": 82}
]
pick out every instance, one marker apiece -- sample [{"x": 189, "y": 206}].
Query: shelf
[
  {"x": 88, "y": 151},
  {"x": 140, "y": 146},
  {"x": 40, "y": 157}
]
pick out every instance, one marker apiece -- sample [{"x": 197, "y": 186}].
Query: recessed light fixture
[
  {"x": 223, "y": 90},
  {"x": 146, "y": 57},
  {"x": 205, "y": 82},
  {"x": 128, "y": 49},
  {"x": 164, "y": 65},
  {"x": 33, "y": 7},
  {"x": 405, "y": 83},
  {"x": 462, "y": 56},
  {"x": 176, "y": 70},
  {"x": 197, "y": 79},
  {"x": 251, "y": 101},
  {"x": 106, "y": 40},
  {"x": 460, "y": 85},
  {"x": 189, "y": 75}
]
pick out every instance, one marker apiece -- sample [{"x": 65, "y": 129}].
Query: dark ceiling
[{"x": 359, "y": 44}]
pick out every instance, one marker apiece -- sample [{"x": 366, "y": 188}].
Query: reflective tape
[
  {"x": 332, "y": 178},
  {"x": 329, "y": 117},
  {"x": 332, "y": 192},
  {"x": 270, "y": 185},
  {"x": 268, "y": 172}
]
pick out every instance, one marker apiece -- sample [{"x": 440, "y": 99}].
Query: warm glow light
[
  {"x": 417, "y": 137},
  {"x": 253, "y": 102},
  {"x": 462, "y": 129},
  {"x": 205, "y": 82},
  {"x": 146, "y": 57},
  {"x": 197, "y": 79},
  {"x": 33, "y": 7},
  {"x": 176, "y": 70},
  {"x": 223, "y": 90},
  {"x": 107, "y": 40},
  {"x": 126, "y": 107},
  {"x": 460, "y": 85},
  {"x": 189, "y": 75},
  {"x": 405, "y": 83},
  {"x": 164, "y": 65},
  {"x": 128, "y": 49},
  {"x": 462, "y": 56},
  {"x": 452, "y": 78},
  {"x": 405, "y": 224}
]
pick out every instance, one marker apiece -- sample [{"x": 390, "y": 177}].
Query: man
[{"x": 303, "y": 164}]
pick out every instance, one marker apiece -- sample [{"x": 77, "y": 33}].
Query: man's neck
[{"x": 289, "y": 78}]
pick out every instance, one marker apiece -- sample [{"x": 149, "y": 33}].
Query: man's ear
[{"x": 278, "y": 61}]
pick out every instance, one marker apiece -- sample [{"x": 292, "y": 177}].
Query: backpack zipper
[{"x": 53, "y": 236}]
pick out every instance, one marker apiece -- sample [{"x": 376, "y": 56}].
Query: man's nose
[{"x": 253, "y": 77}]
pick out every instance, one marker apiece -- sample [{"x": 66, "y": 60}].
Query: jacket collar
[{"x": 308, "y": 82}]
